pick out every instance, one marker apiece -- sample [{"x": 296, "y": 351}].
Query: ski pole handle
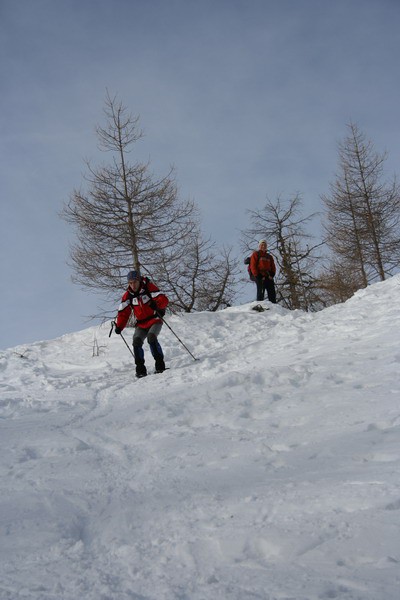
[{"x": 112, "y": 328}]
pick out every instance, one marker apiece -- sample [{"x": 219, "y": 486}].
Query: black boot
[
  {"x": 160, "y": 364},
  {"x": 157, "y": 353},
  {"x": 141, "y": 370}
]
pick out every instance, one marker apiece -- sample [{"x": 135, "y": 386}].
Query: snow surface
[{"x": 268, "y": 469}]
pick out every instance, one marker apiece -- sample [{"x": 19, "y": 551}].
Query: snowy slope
[{"x": 268, "y": 469}]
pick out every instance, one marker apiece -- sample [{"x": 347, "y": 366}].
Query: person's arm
[
  {"x": 254, "y": 264},
  {"x": 124, "y": 312}
]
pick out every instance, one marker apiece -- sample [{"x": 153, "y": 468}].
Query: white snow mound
[{"x": 267, "y": 469}]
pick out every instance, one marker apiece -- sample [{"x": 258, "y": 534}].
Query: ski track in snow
[{"x": 268, "y": 469}]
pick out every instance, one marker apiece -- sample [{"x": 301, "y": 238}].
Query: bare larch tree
[
  {"x": 362, "y": 215},
  {"x": 197, "y": 275},
  {"x": 126, "y": 218}
]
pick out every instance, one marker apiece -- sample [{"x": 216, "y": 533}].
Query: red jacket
[
  {"x": 138, "y": 302},
  {"x": 262, "y": 263}
]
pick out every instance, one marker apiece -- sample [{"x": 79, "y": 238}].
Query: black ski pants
[{"x": 266, "y": 284}]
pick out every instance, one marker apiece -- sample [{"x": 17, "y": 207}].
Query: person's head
[
  {"x": 133, "y": 278},
  {"x": 262, "y": 244}
]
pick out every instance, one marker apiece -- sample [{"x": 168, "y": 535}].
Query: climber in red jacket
[{"x": 148, "y": 305}]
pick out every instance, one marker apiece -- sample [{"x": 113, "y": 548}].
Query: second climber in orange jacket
[{"x": 262, "y": 267}]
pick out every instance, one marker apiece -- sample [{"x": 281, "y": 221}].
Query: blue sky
[{"x": 246, "y": 98}]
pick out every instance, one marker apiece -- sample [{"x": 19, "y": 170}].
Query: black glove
[
  {"x": 117, "y": 330},
  {"x": 160, "y": 312},
  {"x": 152, "y": 304}
]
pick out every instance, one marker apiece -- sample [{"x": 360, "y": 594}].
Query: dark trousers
[
  {"x": 151, "y": 334},
  {"x": 264, "y": 284}
]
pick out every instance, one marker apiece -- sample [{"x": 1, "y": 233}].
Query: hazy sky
[{"x": 246, "y": 98}]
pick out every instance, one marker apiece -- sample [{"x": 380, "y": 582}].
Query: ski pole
[
  {"x": 127, "y": 345},
  {"x": 178, "y": 338},
  {"x": 125, "y": 342}
]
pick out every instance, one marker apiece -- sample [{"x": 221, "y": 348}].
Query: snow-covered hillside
[{"x": 268, "y": 469}]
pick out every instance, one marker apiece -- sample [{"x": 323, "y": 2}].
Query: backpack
[{"x": 247, "y": 262}]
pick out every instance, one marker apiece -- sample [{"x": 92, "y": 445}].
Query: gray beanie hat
[{"x": 132, "y": 275}]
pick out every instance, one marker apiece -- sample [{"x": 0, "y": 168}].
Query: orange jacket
[
  {"x": 138, "y": 302},
  {"x": 262, "y": 263}
]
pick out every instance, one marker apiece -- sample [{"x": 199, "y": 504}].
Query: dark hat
[{"x": 132, "y": 275}]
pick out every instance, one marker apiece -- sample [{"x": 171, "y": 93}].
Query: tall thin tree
[
  {"x": 362, "y": 219},
  {"x": 197, "y": 275},
  {"x": 125, "y": 217}
]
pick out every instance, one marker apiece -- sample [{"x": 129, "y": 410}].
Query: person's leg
[
  {"x": 270, "y": 287},
  {"x": 138, "y": 338},
  {"x": 155, "y": 347},
  {"x": 260, "y": 289}
]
